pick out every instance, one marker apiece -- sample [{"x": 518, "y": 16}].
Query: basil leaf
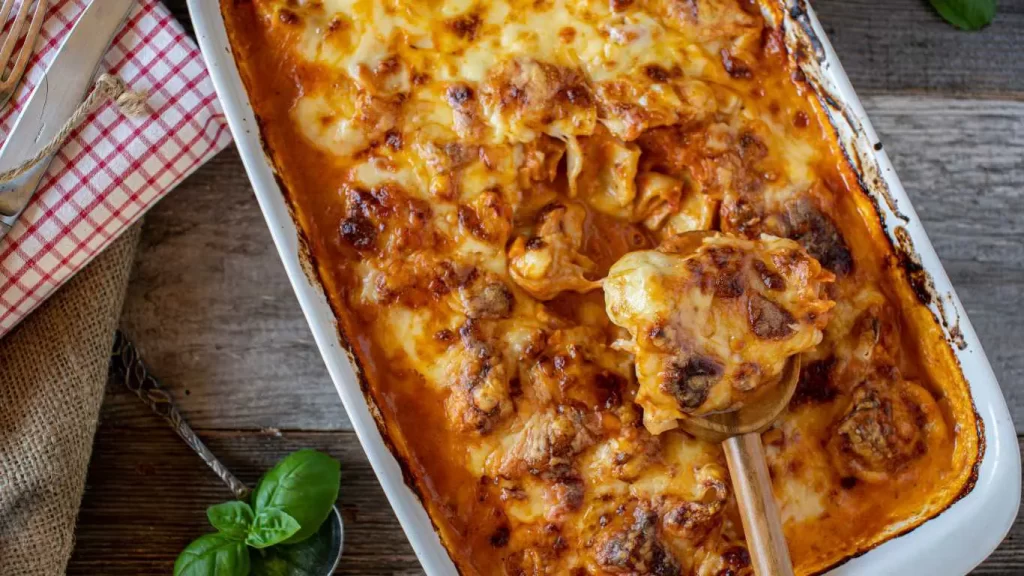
[
  {"x": 231, "y": 518},
  {"x": 213, "y": 555},
  {"x": 311, "y": 557},
  {"x": 966, "y": 14},
  {"x": 270, "y": 527},
  {"x": 304, "y": 485}
]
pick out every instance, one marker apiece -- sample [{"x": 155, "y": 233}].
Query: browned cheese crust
[{"x": 467, "y": 172}]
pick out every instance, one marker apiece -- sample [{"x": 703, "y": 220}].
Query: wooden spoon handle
[{"x": 761, "y": 523}]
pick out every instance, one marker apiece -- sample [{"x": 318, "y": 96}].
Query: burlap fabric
[{"x": 53, "y": 368}]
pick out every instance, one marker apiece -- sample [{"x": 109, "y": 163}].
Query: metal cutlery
[
  {"x": 9, "y": 79},
  {"x": 321, "y": 557},
  {"x": 54, "y": 100}
]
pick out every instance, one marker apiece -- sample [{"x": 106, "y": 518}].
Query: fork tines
[{"x": 10, "y": 74}]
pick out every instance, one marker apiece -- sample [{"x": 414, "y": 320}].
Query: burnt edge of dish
[{"x": 808, "y": 53}]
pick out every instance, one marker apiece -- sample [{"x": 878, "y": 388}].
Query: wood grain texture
[
  {"x": 962, "y": 163},
  {"x": 904, "y": 46},
  {"x": 212, "y": 312},
  {"x": 147, "y": 496},
  {"x": 762, "y": 523}
]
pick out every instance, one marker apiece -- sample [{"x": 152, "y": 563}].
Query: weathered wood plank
[
  {"x": 212, "y": 310},
  {"x": 962, "y": 163},
  {"x": 147, "y": 493},
  {"x": 210, "y": 307},
  {"x": 904, "y": 46}
]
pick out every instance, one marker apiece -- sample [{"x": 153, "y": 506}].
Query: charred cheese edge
[{"x": 467, "y": 172}]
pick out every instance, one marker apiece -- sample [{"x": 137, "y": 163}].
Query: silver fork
[{"x": 9, "y": 79}]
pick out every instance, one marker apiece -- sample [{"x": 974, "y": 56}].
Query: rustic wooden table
[{"x": 212, "y": 311}]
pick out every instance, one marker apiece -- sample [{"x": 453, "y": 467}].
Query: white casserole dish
[{"x": 952, "y": 543}]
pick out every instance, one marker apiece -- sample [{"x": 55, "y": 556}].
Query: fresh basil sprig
[
  {"x": 213, "y": 554},
  {"x": 966, "y": 14},
  {"x": 270, "y": 527},
  {"x": 289, "y": 505},
  {"x": 307, "y": 558},
  {"x": 305, "y": 485},
  {"x": 231, "y": 518}
]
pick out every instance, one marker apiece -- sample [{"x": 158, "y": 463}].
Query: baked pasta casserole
[{"x": 494, "y": 194}]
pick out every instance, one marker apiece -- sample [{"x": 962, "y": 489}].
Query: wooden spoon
[
  {"x": 740, "y": 435},
  {"x": 739, "y": 432}
]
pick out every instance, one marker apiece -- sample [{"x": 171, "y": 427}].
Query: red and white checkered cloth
[{"x": 113, "y": 168}]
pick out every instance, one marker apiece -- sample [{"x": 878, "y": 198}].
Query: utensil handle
[
  {"x": 126, "y": 362},
  {"x": 761, "y": 522}
]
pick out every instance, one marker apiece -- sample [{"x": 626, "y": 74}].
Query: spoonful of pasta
[{"x": 717, "y": 326}]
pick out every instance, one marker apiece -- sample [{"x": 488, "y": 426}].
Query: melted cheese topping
[
  {"x": 712, "y": 328},
  {"x": 467, "y": 172}
]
